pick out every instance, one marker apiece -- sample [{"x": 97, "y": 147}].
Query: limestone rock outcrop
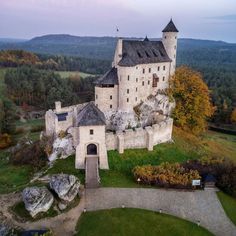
[
  {"x": 62, "y": 148},
  {"x": 66, "y": 186},
  {"x": 37, "y": 199}
]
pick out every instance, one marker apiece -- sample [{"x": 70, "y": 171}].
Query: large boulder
[
  {"x": 37, "y": 199},
  {"x": 6, "y": 230},
  {"x": 66, "y": 186},
  {"x": 62, "y": 148}
]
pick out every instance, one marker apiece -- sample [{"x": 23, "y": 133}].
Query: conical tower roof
[{"x": 170, "y": 27}]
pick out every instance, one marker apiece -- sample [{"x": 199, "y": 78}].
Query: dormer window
[
  {"x": 139, "y": 54},
  {"x": 147, "y": 54},
  {"x": 154, "y": 53}
]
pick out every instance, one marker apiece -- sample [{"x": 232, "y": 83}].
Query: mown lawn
[
  {"x": 135, "y": 222},
  {"x": 229, "y": 205}
]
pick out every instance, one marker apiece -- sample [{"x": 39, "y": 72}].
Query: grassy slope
[
  {"x": 135, "y": 222},
  {"x": 229, "y": 205}
]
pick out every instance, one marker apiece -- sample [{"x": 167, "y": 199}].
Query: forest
[{"x": 216, "y": 61}]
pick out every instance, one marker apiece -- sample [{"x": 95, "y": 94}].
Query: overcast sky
[{"x": 204, "y": 19}]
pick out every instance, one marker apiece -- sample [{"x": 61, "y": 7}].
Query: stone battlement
[{"x": 140, "y": 137}]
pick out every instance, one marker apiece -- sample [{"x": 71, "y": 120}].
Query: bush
[
  {"x": 29, "y": 154},
  {"x": 5, "y": 141},
  {"x": 223, "y": 169},
  {"x": 62, "y": 134},
  {"x": 37, "y": 128},
  {"x": 166, "y": 175}
]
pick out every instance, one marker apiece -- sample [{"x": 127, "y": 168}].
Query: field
[
  {"x": 118, "y": 222},
  {"x": 66, "y": 74}
]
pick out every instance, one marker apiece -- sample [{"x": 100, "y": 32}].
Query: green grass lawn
[
  {"x": 13, "y": 178},
  {"x": 66, "y": 74},
  {"x": 229, "y": 205},
  {"x": 135, "y": 222}
]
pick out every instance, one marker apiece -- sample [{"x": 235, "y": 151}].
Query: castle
[{"x": 131, "y": 108}]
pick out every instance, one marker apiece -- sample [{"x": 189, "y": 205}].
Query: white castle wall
[
  {"x": 106, "y": 99},
  {"x": 140, "y": 138},
  {"x": 135, "y": 86}
]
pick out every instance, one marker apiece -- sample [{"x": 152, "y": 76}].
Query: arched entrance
[{"x": 92, "y": 149}]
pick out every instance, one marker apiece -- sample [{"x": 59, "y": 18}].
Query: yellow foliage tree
[
  {"x": 233, "y": 116},
  {"x": 193, "y": 105}
]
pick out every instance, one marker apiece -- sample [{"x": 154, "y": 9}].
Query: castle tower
[{"x": 169, "y": 40}]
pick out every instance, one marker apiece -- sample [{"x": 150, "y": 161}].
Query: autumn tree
[
  {"x": 193, "y": 105},
  {"x": 233, "y": 116}
]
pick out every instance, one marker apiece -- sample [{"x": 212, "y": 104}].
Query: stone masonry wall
[{"x": 140, "y": 138}]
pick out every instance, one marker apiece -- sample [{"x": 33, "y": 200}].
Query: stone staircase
[{"x": 92, "y": 179}]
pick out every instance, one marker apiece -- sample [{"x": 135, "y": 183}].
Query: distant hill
[{"x": 92, "y": 47}]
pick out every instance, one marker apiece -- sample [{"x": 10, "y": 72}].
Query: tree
[
  {"x": 7, "y": 116},
  {"x": 233, "y": 116},
  {"x": 193, "y": 105}
]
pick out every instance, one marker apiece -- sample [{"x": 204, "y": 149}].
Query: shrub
[
  {"x": 166, "y": 175},
  {"x": 29, "y": 154},
  {"x": 62, "y": 134},
  {"x": 5, "y": 141},
  {"x": 37, "y": 128}
]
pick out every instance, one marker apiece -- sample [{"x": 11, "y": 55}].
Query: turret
[
  {"x": 169, "y": 40},
  {"x": 118, "y": 53}
]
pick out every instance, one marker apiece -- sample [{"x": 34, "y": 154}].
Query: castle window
[
  {"x": 163, "y": 78},
  {"x": 148, "y": 82},
  {"x": 149, "y": 70},
  {"x": 136, "y": 79},
  {"x": 165, "y": 37},
  {"x": 136, "y": 67},
  {"x": 120, "y": 78},
  {"x": 164, "y": 67},
  {"x": 136, "y": 89},
  {"x": 110, "y": 106},
  {"x": 110, "y": 97},
  {"x": 158, "y": 68},
  {"x": 155, "y": 80},
  {"x": 136, "y": 99},
  {"x": 128, "y": 77},
  {"x": 127, "y": 99},
  {"x": 128, "y": 91},
  {"x": 175, "y": 37},
  {"x": 143, "y": 83},
  {"x": 175, "y": 46},
  {"x": 143, "y": 71},
  {"x": 91, "y": 131},
  {"x": 174, "y": 55},
  {"x": 96, "y": 96},
  {"x": 96, "y": 105}
]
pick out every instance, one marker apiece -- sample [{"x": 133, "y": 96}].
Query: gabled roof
[
  {"x": 170, "y": 27},
  {"x": 90, "y": 115},
  {"x": 142, "y": 52},
  {"x": 110, "y": 78}
]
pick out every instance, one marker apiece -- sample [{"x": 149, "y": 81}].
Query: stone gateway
[{"x": 131, "y": 107}]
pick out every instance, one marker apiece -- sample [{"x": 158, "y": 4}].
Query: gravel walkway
[{"x": 202, "y": 206}]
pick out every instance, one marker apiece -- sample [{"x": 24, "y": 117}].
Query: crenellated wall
[{"x": 139, "y": 137}]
